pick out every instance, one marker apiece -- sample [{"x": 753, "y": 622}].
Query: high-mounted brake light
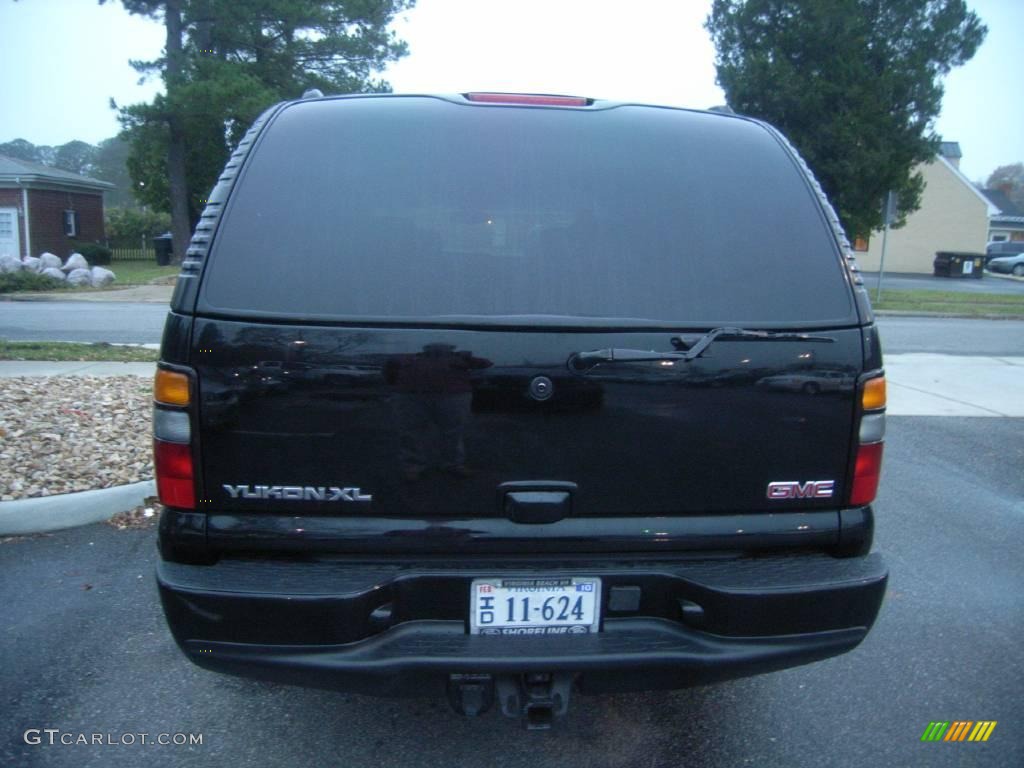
[
  {"x": 535, "y": 99},
  {"x": 868, "y": 466}
]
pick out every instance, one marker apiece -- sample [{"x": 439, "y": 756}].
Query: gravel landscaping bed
[{"x": 61, "y": 434}]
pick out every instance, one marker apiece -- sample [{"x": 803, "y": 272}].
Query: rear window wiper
[{"x": 583, "y": 360}]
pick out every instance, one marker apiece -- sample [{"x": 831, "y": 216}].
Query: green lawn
[
  {"x": 952, "y": 303},
  {"x": 63, "y": 351},
  {"x": 139, "y": 272}
]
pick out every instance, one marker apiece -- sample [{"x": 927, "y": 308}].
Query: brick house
[{"x": 47, "y": 209}]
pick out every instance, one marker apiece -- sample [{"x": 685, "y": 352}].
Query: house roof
[
  {"x": 1000, "y": 200},
  {"x": 23, "y": 172},
  {"x": 950, "y": 149}
]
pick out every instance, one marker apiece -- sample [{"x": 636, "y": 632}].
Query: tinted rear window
[{"x": 415, "y": 207}]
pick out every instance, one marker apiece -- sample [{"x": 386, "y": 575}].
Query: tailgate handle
[{"x": 533, "y": 502}]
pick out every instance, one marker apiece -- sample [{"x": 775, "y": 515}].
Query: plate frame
[{"x": 593, "y": 628}]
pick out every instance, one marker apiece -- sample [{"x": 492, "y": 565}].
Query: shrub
[
  {"x": 95, "y": 254},
  {"x": 129, "y": 227},
  {"x": 14, "y": 282}
]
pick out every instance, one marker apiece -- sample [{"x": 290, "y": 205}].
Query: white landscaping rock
[
  {"x": 55, "y": 273},
  {"x": 10, "y": 263},
  {"x": 79, "y": 277},
  {"x": 101, "y": 277},
  {"x": 32, "y": 264},
  {"x": 50, "y": 260},
  {"x": 75, "y": 261}
]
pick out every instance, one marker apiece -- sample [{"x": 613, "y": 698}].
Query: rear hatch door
[{"x": 391, "y": 331}]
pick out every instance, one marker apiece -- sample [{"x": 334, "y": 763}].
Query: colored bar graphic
[
  {"x": 983, "y": 730},
  {"x": 958, "y": 730}
]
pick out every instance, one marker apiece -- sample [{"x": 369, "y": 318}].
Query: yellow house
[{"x": 954, "y": 216}]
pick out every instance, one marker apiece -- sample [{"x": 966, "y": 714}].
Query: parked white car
[{"x": 1008, "y": 265}]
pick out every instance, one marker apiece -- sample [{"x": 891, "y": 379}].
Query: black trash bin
[
  {"x": 163, "y": 245},
  {"x": 959, "y": 264}
]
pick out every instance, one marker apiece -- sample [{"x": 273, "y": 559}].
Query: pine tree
[
  {"x": 225, "y": 61},
  {"x": 854, "y": 84}
]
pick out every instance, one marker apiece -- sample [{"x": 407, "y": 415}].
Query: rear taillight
[
  {"x": 871, "y": 433},
  {"x": 172, "y": 388},
  {"x": 172, "y": 439},
  {"x": 866, "y": 474},
  {"x": 872, "y": 395},
  {"x": 534, "y": 99},
  {"x": 175, "y": 482}
]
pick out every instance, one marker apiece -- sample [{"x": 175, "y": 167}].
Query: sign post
[{"x": 891, "y": 201}]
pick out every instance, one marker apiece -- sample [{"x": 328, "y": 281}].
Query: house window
[
  {"x": 71, "y": 223},
  {"x": 860, "y": 243}
]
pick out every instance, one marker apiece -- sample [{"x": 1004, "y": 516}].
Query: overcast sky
[{"x": 63, "y": 60}]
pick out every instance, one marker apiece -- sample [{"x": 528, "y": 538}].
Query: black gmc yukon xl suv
[{"x": 477, "y": 396}]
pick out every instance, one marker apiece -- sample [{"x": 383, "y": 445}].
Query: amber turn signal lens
[
  {"x": 171, "y": 388},
  {"x": 873, "y": 396}
]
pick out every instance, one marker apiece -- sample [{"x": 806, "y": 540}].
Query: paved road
[
  {"x": 83, "y": 648},
  {"x": 143, "y": 324},
  {"x": 952, "y": 336},
  {"x": 118, "y": 322},
  {"x": 905, "y": 282}
]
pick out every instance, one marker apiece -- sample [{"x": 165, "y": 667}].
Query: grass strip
[
  {"x": 139, "y": 272},
  {"x": 60, "y": 351},
  {"x": 952, "y": 303}
]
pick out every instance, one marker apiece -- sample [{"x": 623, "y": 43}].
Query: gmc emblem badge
[{"x": 812, "y": 489}]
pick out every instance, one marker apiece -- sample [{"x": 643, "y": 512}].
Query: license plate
[{"x": 535, "y": 606}]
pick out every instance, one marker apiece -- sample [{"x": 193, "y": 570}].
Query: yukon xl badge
[
  {"x": 296, "y": 493},
  {"x": 812, "y": 489}
]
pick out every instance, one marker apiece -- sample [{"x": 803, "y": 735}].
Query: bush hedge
[
  {"x": 13, "y": 282},
  {"x": 95, "y": 254}
]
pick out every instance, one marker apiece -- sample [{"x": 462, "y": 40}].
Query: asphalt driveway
[{"x": 84, "y": 649}]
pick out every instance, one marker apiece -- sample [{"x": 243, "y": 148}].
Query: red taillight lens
[
  {"x": 528, "y": 98},
  {"x": 174, "y": 476},
  {"x": 866, "y": 474}
]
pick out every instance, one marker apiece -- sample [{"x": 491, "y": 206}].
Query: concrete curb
[
  {"x": 1001, "y": 276},
  {"x": 44, "y": 368},
  {"x": 67, "y": 510}
]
